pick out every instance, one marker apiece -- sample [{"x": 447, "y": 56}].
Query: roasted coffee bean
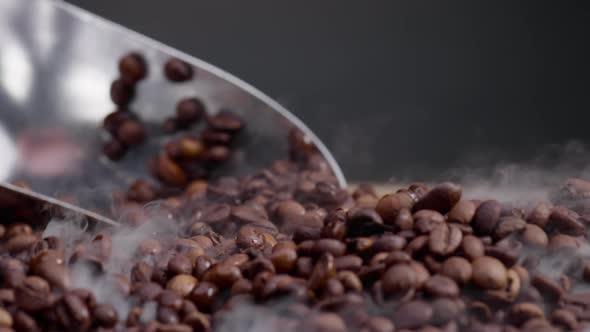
[
  {"x": 489, "y": 273},
  {"x": 324, "y": 322},
  {"x": 132, "y": 67},
  {"x": 462, "y": 212},
  {"x": 441, "y": 198},
  {"x": 534, "y": 235},
  {"x": 389, "y": 206},
  {"x": 323, "y": 270},
  {"x": 444, "y": 239},
  {"x": 548, "y": 287},
  {"x": 334, "y": 247},
  {"x": 562, "y": 241},
  {"x": 122, "y": 92},
  {"x": 131, "y": 132},
  {"x": 183, "y": 284},
  {"x": 12, "y": 272},
  {"x": 141, "y": 272},
  {"x": 565, "y": 319},
  {"x": 508, "y": 225},
  {"x": 114, "y": 150},
  {"x": 226, "y": 121},
  {"x": 486, "y": 217},
  {"x": 105, "y": 315},
  {"x": 5, "y": 318},
  {"x": 284, "y": 259},
  {"x": 457, "y": 268},
  {"x": 72, "y": 313},
  {"x": 177, "y": 70},
  {"x": 348, "y": 262},
  {"x": 540, "y": 214},
  {"x": 147, "y": 291},
  {"x": 522, "y": 312},
  {"x": 33, "y": 294},
  {"x": 404, "y": 220},
  {"x": 412, "y": 315},
  {"x": 189, "y": 111},
  {"x": 24, "y": 322},
  {"x": 378, "y": 324},
  {"x": 439, "y": 285},
  {"x": 506, "y": 250},
  {"x": 399, "y": 278},
  {"x": 426, "y": 220},
  {"x": 169, "y": 172},
  {"x": 20, "y": 243},
  {"x": 565, "y": 221},
  {"x": 223, "y": 275},
  {"x": 179, "y": 264},
  {"x": 364, "y": 222}
]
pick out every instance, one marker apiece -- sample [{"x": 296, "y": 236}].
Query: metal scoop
[{"x": 56, "y": 66}]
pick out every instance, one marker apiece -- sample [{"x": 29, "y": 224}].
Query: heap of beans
[{"x": 288, "y": 242}]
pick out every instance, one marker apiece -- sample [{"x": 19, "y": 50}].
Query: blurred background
[{"x": 399, "y": 89}]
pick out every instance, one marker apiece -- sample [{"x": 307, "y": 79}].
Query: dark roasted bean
[
  {"x": 177, "y": 70},
  {"x": 489, "y": 272},
  {"x": 412, "y": 315},
  {"x": 486, "y": 217},
  {"x": 441, "y": 198},
  {"x": 122, "y": 92}
]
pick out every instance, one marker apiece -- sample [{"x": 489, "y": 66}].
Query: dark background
[{"x": 397, "y": 89}]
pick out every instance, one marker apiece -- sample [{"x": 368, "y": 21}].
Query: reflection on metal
[{"x": 56, "y": 65}]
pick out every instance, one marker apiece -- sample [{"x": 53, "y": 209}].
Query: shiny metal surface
[{"x": 56, "y": 65}]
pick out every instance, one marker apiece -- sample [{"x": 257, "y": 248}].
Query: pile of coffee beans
[{"x": 286, "y": 249}]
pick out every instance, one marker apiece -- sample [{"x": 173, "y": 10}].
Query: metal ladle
[{"x": 56, "y": 66}]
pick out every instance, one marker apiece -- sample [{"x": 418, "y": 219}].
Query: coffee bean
[
  {"x": 457, "y": 268},
  {"x": 183, "y": 284},
  {"x": 324, "y": 322},
  {"x": 562, "y": 241},
  {"x": 348, "y": 262},
  {"x": 122, "y": 92},
  {"x": 446, "y": 310},
  {"x": 565, "y": 221},
  {"x": 564, "y": 318},
  {"x": 334, "y": 247},
  {"x": 225, "y": 121},
  {"x": 444, "y": 239},
  {"x": 364, "y": 222},
  {"x": 72, "y": 313},
  {"x": 12, "y": 272},
  {"x": 486, "y": 217},
  {"x": 323, "y": 270},
  {"x": 522, "y": 312},
  {"x": 179, "y": 264},
  {"x": 20, "y": 243},
  {"x": 378, "y": 324},
  {"x": 508, "y": 225},
  {"x": 131, "y": 132},
  {"x": 441, "y": 198},
  {"x": 177, "y": 70},
  {"x": 284, "y": 259},
  {"x": 540, "y": 214},
  {"x": 33, "y": 294},
  {"x": 462, "y": 212},
  {"x": 489, "y": 273},
  {"x": 548, "y": 288},
  {"x": 169, "y": 171},
  {"x": 24, "y": 322},
  {"x": 439, "y": 285},
  {"x": 197, "y": 321},
  {"x": 114, "y": 150},
  {"x": 223, "y": 275},
  {"x": 426, "y": 220},
  {"x": 399, "y": 278},
  {"x": 534, "y": 235},
  {"x": 5, "y": 318},
  {"x": 189, "y": 111},
  {"x": 389, "y": 206},
  {"x": 132, "y": 67},
  {"x": 412, "y": 315}
]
